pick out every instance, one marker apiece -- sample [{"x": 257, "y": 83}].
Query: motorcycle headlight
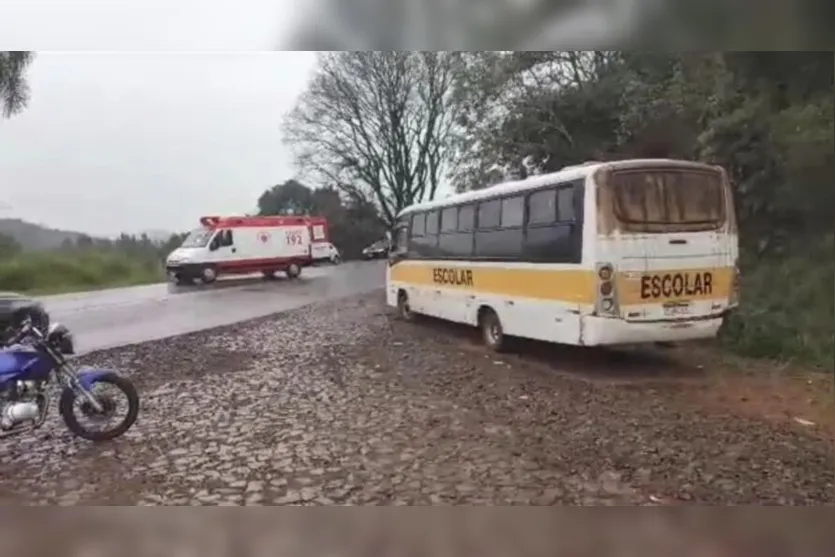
[{"x": 61, "y": 339}]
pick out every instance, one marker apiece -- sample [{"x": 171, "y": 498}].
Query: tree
[
  {"x": 524, "y": 112},
  {"x": 14, "y": 92},
  {"x": 766, "y": 117},
  {"x": 289, "y": 198},
  {"x": 376, "y": 124},
  {"x": 9, "y": 246}
]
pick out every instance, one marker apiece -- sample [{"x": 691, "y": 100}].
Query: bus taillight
[{"x": 606, "y": 295}]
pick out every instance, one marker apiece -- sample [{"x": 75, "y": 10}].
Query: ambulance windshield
[{"x": 197, "y": 238}]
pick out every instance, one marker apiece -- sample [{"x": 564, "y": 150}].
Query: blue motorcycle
[{"x": 32, "y": 360}]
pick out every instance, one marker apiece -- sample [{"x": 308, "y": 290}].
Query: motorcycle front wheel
[{"x": 72, "y": 402}]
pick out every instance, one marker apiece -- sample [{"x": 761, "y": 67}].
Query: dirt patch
[{"x": 800, "y": 397}]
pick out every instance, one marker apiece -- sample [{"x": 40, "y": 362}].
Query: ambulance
[{"x": 246, "y": 245}]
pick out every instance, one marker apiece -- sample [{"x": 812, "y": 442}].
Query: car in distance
[{"x": 377, "y": 250}]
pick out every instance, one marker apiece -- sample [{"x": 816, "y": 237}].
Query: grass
[
  {"x": 78, "y": 270},
  {"x": 787, "y": 310}
]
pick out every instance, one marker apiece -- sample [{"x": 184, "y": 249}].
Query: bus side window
[
  {"x": 456, "y": 237},
  {"x": 554, "y": 226},
  {"x": 500, "y": 228},
  {"x": 432, "y": 226}
]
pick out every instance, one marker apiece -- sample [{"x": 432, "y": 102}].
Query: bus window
[
  {"x": 432, "y": 223},
  {"x": 466, "y": 218},
  {"x": 542, "y": 207},
  {"x": 489, "y": 214},
  {"x": 513, "y": 211},
  {"x": 565, "y": 204},
  {"x": 449, "y": 219},
  {"x": 419, "y": 224},
  {"x": 669, "y": 199}
]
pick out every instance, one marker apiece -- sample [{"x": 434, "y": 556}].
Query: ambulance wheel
[
  {"x": 491, "y": 329},
  {"x": 336, "y": 260},
  {"x": 293, "y": 271},
  {"x": 208, "y": 275},
  {"x": 268, "y": 275}
]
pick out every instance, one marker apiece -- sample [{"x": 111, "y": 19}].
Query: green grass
[
  {"x": 74, "y": 271},
  {"x": 787, "y": 310}
]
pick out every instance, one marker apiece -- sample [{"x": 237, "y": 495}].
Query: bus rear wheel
[
  {"x": 491, "y": 330},
  {"x": 404, "y": 310}
]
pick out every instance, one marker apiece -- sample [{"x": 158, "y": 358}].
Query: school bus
[{"x": 602, "y": 253}]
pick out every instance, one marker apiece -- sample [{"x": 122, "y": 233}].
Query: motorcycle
[{"x": 31, "y": 360}]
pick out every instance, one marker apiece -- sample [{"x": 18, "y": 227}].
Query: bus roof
[{"x": 565, "y": 174}]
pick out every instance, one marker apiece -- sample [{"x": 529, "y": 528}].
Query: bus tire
[
  {"x": 404, "y": 310},
  {"x": 208, "y": 274},
  {"x": 491, "y": 329},
  {"x": 293, "y": 271}
]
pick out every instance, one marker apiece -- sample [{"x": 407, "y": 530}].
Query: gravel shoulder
[{"x": 337, "y": 403}]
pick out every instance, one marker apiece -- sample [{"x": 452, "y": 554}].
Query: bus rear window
[{"x": 669, "y": 197}]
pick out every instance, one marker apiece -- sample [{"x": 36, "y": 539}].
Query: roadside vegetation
[
  {"x": 377, "y": 131},
  {"x": 84, "y": 265}
]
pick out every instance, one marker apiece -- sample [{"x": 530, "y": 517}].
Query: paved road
[{"x": 122, "y": 316}]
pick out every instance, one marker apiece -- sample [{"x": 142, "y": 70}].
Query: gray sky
[
  {"x": 147, "y": 139},
  {"x": 115, "y": 141},
  {"x": 133, "y": 141}
]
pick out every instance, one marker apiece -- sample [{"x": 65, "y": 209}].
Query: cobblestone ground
[{"x": 338, "y": 404}]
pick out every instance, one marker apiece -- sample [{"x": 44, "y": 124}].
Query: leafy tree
[
  {"x": 14, "y": 92},
  {"x": 376, "y": 124},
  {"x": 9, "y": 247},
  {"x": 766, "y": 117},
  {"x": 289, "y": 198}
]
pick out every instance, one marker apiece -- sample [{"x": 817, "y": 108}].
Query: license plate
[{"x": 677, "y": 310}]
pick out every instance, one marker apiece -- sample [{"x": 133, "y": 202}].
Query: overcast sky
[
  {"x": 182, "y": 117},
  {"x": 115, "y": 141}
]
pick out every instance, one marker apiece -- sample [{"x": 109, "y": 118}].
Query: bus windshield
[
  {"x": 197, "y": 238},
  {"x": 669, "y": 198}
]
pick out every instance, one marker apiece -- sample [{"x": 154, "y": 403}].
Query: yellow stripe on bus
[
  {"x": 659, "y": 286},
  {"x": 573, "y": 286},
  {"x": 569, "y": 285}
]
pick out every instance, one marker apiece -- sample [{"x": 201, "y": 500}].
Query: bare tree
[
  {"x": 13, "y": 89},
  {"x": 376, "y": 125}
]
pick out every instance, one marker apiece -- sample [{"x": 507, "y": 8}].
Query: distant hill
[{"x": 34, "y": 237}]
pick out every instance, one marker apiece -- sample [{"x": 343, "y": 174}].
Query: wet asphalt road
[{"x": 117, "y": 317}]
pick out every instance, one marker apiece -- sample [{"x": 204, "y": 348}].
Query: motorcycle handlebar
[{"x": 24, "y": 331}]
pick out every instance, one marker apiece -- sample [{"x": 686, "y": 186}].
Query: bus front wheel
[{"x": 491, "y": 329}]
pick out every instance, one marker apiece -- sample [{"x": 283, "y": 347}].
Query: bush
[
  {"x": 787, "y": 311},
  {"x": 65, "y": 271}
]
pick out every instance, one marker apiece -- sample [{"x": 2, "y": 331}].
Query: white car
[{"x": 325, "y": 252}]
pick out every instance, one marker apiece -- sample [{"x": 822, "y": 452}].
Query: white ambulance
[{"x": 245, "y": 245}]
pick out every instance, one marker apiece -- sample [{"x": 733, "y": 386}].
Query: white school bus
[{"x": 631, "y": 251}]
